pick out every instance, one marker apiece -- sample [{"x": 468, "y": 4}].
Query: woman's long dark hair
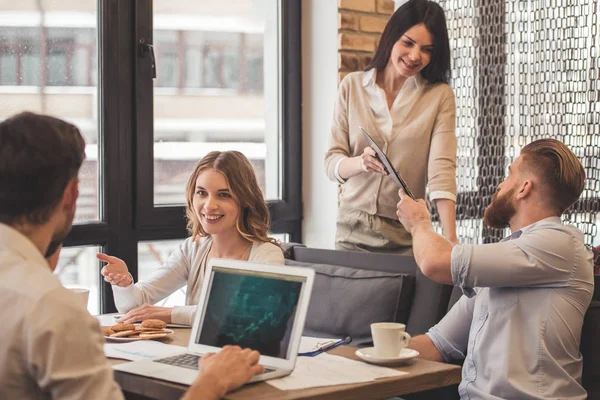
[{"x": 412, "y": 13}]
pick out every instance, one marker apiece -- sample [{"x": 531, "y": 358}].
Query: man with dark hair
[
  {"x": 518, "y": 324},
  {"x": 51, "y": 346}
]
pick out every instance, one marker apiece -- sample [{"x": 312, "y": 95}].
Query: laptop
[
  {"x": 260, "y": 306},
  {"x": 388, "y": 165}
]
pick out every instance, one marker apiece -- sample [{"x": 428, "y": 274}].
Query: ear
[
  {"x": 525, "y": 189},
  {"x": 71, "y": 194}
]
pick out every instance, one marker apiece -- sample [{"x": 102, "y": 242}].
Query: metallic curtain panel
[{"x": 523, "y": 70}]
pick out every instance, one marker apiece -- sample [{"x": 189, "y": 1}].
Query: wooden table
[{"x": 422, "y": 376}]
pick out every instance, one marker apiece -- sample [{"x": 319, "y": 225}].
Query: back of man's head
[
  {"x": 39, "y": 155},
  {"x": 561, "y": 174}
]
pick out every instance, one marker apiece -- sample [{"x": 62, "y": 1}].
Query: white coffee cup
[
  {"x": 82, "y": 294},
  {"x": 389, "y": 338}
]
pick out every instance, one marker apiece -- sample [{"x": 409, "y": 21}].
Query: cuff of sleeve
[
  {"x": 449, "y": 353},
  {"x": 440, "y": 194},
  {"x": 336, "y": 171},
  {"x": 123, "y": 296},
  {"x": 460, "y": 263},
  {"x": 183, "y": 315}
]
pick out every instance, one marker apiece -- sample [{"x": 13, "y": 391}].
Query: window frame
[{"x": 128, "y": 214}]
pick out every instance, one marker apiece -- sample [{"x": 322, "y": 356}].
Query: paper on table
[
  {"x": 309, "y": 343},
  {"x": 328, "y": 370},
  {"x": 141, "y": 350}
]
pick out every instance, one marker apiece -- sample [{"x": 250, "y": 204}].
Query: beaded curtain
[{"x": 523, "y": 70}]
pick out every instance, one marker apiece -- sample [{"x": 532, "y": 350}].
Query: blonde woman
[{"x": 227, "y": 218}]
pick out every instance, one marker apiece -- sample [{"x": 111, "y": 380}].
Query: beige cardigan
[{"x": 421, "y": 144}]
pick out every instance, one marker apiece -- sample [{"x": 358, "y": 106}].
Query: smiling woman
[
  {"x": 227, "y": 218},
  {"x": 405, "y": 103}
]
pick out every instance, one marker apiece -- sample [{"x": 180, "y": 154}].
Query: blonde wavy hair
[{"x": 253, "y": 221}]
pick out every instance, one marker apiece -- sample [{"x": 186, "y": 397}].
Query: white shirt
[
  {"x": 519, "y": 330},
  {"x": 185, "y": 266},
  {"x": 51, "y": 347}
]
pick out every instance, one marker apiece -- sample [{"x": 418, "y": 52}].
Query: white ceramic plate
[
  {"x": 368, "y": 354},
  {"x": 127, "y": 339}
]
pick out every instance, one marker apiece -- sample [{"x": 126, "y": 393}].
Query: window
[
  {"x": 143, "y": 136},
  {"x": 220, "y": 102}
]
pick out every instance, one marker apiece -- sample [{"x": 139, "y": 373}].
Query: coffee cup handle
[{"x": 406, "y": 338}]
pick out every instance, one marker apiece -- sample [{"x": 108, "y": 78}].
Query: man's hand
[
  {"x": 411, "y": 213},
  {"x": 115, "y": 271},
  {"x": 147, "y": 311},
  {"x": 223, "y": 372}
]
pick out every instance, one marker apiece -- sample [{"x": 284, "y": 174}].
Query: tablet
[{"x": 388, "y": 165}]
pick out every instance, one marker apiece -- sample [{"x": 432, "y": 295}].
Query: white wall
[{"x": 319, "y": 92}]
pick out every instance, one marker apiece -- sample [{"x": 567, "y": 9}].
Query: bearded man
[{"x": 517, "y": 326}]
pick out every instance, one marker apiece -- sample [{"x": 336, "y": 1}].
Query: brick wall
[{"x": 360, "y": 24}]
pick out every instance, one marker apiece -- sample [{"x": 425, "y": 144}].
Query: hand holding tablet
[{"x": 387, "y": 164}]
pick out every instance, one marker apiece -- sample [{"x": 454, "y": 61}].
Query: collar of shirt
[
  {"x": 16, "y": 242},
  {"x": 517, "y": 234},
  {"x": 370, "y": 77}
]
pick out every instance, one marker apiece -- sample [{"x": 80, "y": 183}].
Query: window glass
[
  {"x": 219, "y": 49},
  {"x": 48, "y": 64}
]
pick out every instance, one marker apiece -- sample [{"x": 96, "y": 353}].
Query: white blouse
[{"x": 185, "y": 266}]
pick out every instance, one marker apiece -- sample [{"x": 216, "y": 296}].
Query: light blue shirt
[{"x": 518, "y": 324}]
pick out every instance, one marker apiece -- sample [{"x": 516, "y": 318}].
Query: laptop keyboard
[
  {"x": 181, "y": 360},
  {"x": 190, "y": 361}
]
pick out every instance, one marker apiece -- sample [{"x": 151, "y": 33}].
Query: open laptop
[{"x": 260, "y": 306}]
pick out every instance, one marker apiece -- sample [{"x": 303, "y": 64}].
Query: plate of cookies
[{"x": 150, "y": 329}]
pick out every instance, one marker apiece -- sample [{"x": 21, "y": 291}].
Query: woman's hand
[
  {"x": 370, "y": 163},
  {"x": 147, "y": 311},
  {"x": 115, "y": 271}
]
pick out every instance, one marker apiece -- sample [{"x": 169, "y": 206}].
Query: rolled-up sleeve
[
  {"x": 542, "y": 258},
  {"x": 442, "y": 153},
  {"x": 339, "y": 147},
  {"x": 451, "y": 335}
]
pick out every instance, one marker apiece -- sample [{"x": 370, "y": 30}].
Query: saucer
[{"x": 368, "y": 354}]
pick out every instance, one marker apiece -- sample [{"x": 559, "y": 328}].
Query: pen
[{"x": 328, "y": 347}]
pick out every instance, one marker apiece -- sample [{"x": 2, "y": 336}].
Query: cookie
[
  {"x": 106, "y": 330},
  {"x": 154, "y": 323},
  {"x": 122, "y": 327},
  {"x": 148, "y": 335},
  {"x": 139, "y": 328},
  {"x": 123, "y": 333}
]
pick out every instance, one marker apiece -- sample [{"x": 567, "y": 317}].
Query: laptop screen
[{"x": 250, "y": 309}]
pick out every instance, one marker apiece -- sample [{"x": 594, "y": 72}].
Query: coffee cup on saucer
[{"x": 389, "y": 338}]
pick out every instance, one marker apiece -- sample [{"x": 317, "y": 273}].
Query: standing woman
[{"x": 404, "y": 102}]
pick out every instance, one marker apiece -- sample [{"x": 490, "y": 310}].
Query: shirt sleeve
[
  {"x": 339, "y": 146},
  {"x": 451, "y": 335},
  {"x": 172, "y": 275},
  {"x": 183, "y": 315},
  {"x": 540, "y": 258},
  {"x": 441, "y": 165},
  {"x": 64, "y": 350}
]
